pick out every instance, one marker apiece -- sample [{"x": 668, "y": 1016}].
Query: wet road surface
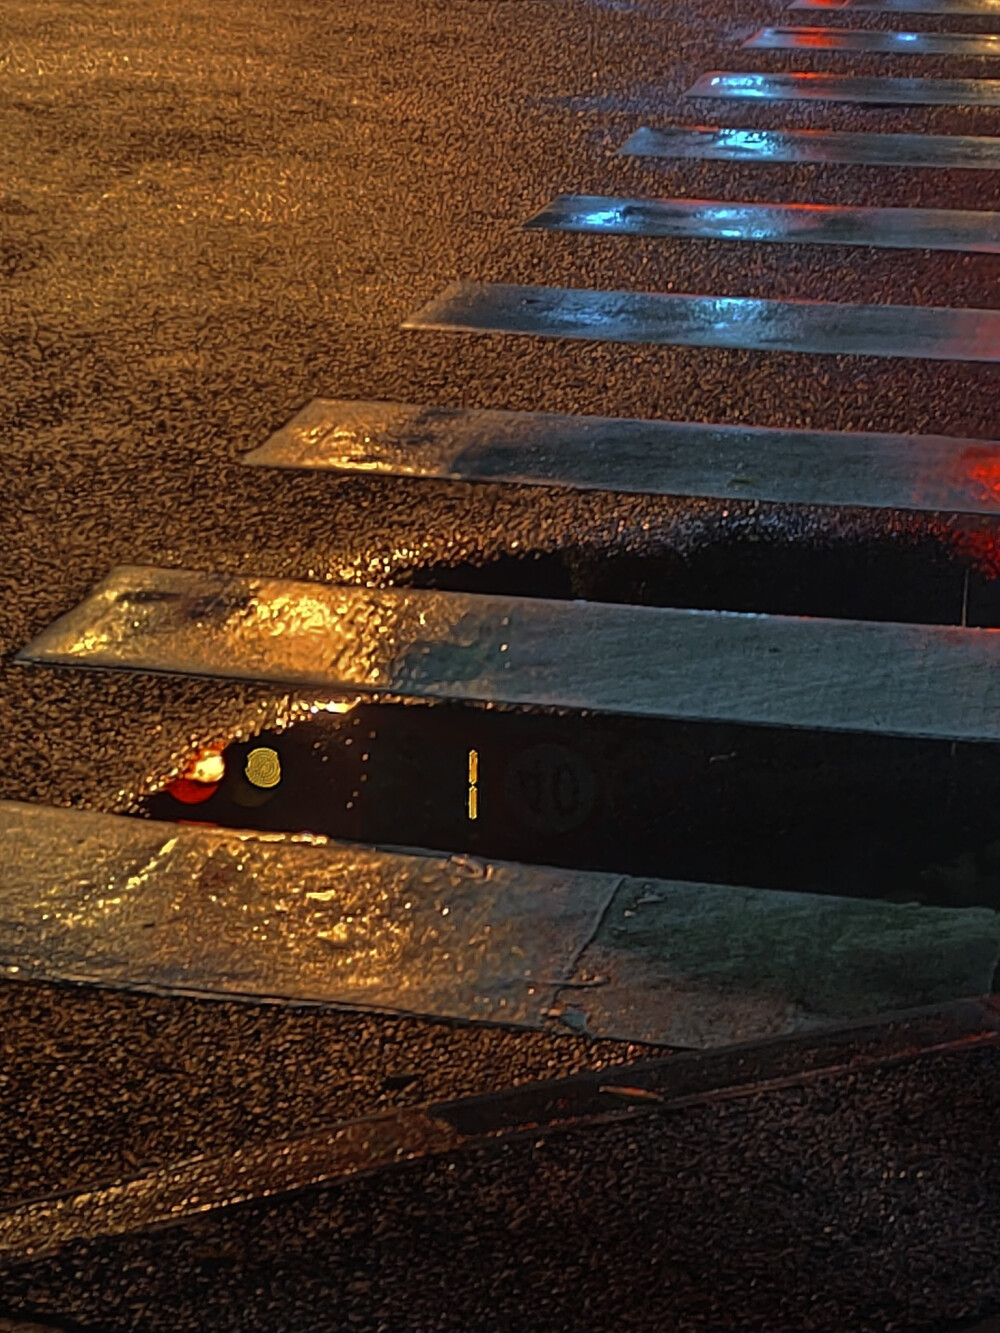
[
  {"x": 728, "y": 1213},
  {"x": 213, "y": 214}
]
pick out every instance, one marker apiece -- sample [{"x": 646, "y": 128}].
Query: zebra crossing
[
  {"x": 780, "y": 38},
  {"x": 987, "y": 7},
  {"x": 762, "y": 670},
  {"x": 218, "y": 913},
  {"x": 935, "y": 333},
  {"x": 778, "y": 671},
  {"x": 730, "y": 144},
  {"x": 926, "y": 473},
  {"x": 808, "y": 224},
  {"x": 846, "y": 88}
]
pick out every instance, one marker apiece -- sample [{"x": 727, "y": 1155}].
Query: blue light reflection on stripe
[
  {"x": 861, "y": 89},
  {"x": 935, "y": 333},
  {"x": 672, "y": 218},
  {"x": 716, "y": 143}
]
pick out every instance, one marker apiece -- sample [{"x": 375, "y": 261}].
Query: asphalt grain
[
  {"x": 213, "y": 212},
  {"x": 850, "y": 1203},
  {"x": 97, "y": 1085}
]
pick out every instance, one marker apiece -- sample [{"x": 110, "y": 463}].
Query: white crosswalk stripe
[
  {"x": 782, "y": 671},
  {"x": 916, "y": 472}
]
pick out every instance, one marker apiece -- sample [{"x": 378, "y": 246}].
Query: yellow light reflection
[
  {"x": 208, "y": 767},
  {"x": 473, "y": 779},
  {"x": 263, "y": 767}
]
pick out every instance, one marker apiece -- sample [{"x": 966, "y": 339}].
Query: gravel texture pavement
[{"x": 864, "y": 1202}]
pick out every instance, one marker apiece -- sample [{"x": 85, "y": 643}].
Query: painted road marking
[
  {"x": 870, "y": 39},
  {"x": 904, "y": 6},
  {"x": 799, "y": 87},
  {"x": 782, "y": 671},
  {"x": 934, "y": 333},
  {"x": 814, "y": 224},
  {"x": 706, "y": 142},
  {"x": 874, "y": 471},
  {"x": 138, "y": 904}
]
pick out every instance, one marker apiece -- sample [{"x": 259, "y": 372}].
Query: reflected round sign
[{"x": 550, "y": 788}]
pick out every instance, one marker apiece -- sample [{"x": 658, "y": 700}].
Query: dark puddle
[
  {"x": 827, "y": 812},
  {"x": 865, "y": 816},
  {"x": 836, "y": 563}
]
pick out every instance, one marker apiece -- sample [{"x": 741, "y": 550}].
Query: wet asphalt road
[
  {"x": 854, "y": 1203},
  {"x": 211, "y": 213}
]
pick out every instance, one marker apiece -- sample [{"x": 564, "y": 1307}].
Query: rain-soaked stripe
[
  {"x": 904, "y": 6},
  {"x": 847, "y": 88},
  {"x": 140, "y": 904},
  {"x": 921, "y": 472},
  {"x": 969, "y": 152},
  {"x": 813, "y": 224},
  {"x": 136, "y": 903},
  {"x": 870, "y": 39},
  {"x": 935, "y": 333},
  {"x": 165, "y": 1196},
  {"x": 784, "y": 671}
]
